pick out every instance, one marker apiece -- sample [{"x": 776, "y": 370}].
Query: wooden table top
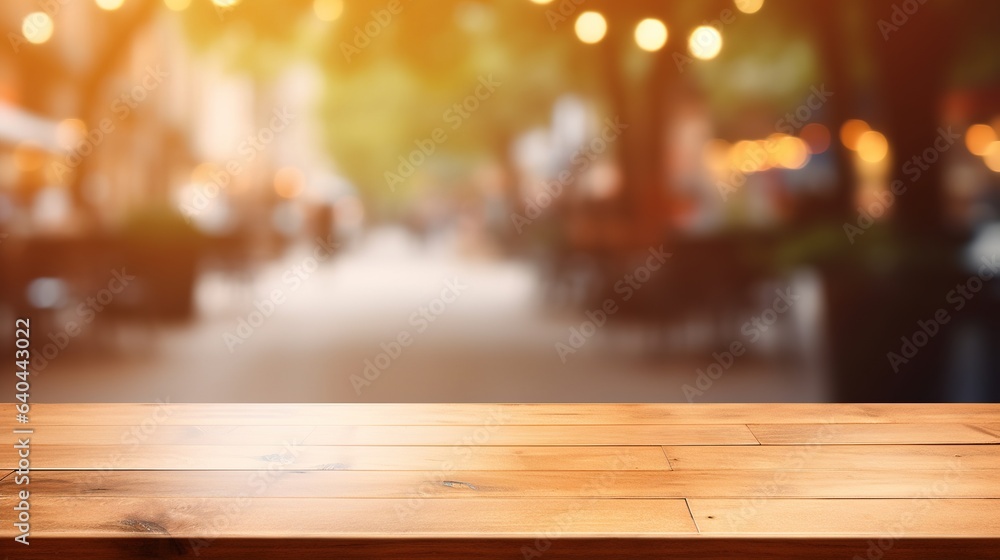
[{"x": 466, "y": 481}]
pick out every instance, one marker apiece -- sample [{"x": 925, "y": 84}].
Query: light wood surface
[
  {"x": 881, "y": 434},
  {"x": 411, "y": 414},
  {"x": 215, "y": 435},
  {"x": 344, "y": 457},
  {"x": 288, "y": 483},
  {"x": 924, "y": 518},
  {"x": 507, "y": 481},
  {"x": 899, "y": 458},
  {"x": 221, "y": 518}
]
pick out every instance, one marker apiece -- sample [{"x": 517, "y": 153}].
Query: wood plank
[
  {"x": 153, "y": 434},
  {"x": 754, "y": 484},
  {"x": 371, "y": 458},
  {"x": 900, "y": 458},
  {"x": 616, "y": 435},
  {"x": 286, "y": 481},
  {"x": 925, "y": 518},
  {"x": 332, "y": 518},
  {"x": 198, "y": 414},
  {"x": 839, "y": 434},
  {"x": 715, "y": 434}
]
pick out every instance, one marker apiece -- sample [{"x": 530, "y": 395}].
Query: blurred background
[{"x": 507, "y": 200}]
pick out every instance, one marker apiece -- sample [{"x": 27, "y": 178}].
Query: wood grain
[
  {"x": 832, "y": 434},
  {"x": 898, "y": 458},
  {"x": 993, "y": 428},
  {"x": 677, "y": 434},
  {"x": 331, "y": 518},
  {"x": 344, "y": 414},
  {"x": 680, "y": 434},
  {"x": 510, "y": 481},
  {"x": 285, "y": 481},
  {"x": 924, "y": 518},
  {"x": 345, "y": 457},
  {"x": 153, "y": 434}
]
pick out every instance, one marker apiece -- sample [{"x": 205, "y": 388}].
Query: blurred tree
[
  {"x": 897, "y": 65},
  {"x": 422, "y": 67},
  {"x": 396, "y": 70}
]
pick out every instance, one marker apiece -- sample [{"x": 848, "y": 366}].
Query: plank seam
[
  {"x": 691, "y": 513},
  {"x": 984, "y": 430},
  {"x": 663, "y": 449}
]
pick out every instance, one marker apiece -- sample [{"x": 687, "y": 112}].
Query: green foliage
[{"x": 385, "y": 90}]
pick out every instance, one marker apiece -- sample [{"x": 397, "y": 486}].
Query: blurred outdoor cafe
[{"x": 666, "y": 200}]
